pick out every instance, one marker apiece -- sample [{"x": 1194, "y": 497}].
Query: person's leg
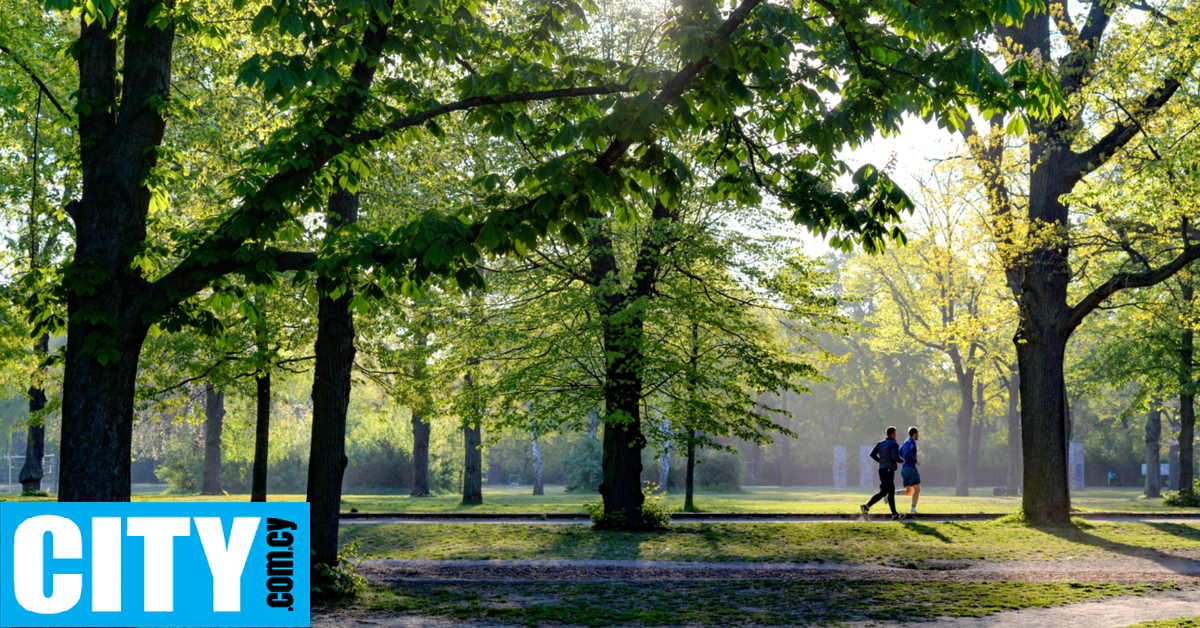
[
  {"x": 916, "y": 494},
  {"x": 881, "y": 494},
  {"x": 889, "y": 481}
]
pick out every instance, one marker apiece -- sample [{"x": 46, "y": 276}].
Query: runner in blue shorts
[{"x": 909, "y": 473}]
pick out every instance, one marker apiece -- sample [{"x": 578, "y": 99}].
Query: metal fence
[{"x": 10, "y": 471}]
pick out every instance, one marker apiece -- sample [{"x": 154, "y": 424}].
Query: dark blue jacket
[
  {"x": 887, "y": 454},
  {"x": 908, "y": 451}
]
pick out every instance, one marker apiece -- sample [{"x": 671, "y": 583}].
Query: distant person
[
  {"x": 908, "y": 472},
  {"x": 1111, "y": 476},
  {"x": 887, "y": 454}
]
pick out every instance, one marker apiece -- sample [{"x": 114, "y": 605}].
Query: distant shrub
[
  {"x": 34, "y": 493},
  {"x": 583, "y": 466},
  {"x": 378, "y": 466},
  {"x": 1183, "y": 498},
  {"x": 182, "y": 467},
  {"x": 719, "y": 471}
]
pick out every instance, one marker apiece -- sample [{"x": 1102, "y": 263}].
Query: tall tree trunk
[
  {"x": 690, "y": 481},
  {"x": 472, "y": 453},
  {"x": 1154, "y": 449},
  {"x": 262, "y": 436},
  {"x": 421, "y": 430},
  {"x": 966, "y": 410},
  {"x": 623, "y": 334},
  {"x": 593, "y": 422},
  {"x": 1047, "y": 498},
  {"x": 623, "y": 439},
  {"x": 1014, "y": 432},
  {"x": 1187, "y": 392},
  {"x": 106, "y": 323},
  {"x": 538, "y": 488},
  {"x": 977, "y": 432},
  {"x": 334, "y": 351},
  {"x": 664, "y": 459},
  {"x": 35, "y": 436},
  {"x": 214, "y": 425},
  {"x": 785, "y": 444}
]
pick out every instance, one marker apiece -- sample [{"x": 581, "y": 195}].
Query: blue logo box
[{"x": 154, "y": 564}]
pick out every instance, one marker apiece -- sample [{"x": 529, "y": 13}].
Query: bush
[
  {"x": 34, "y": 493},
  {"x": 653, "y": 516},
  {"x": 1183, "y": 498},
  {"x": 583, "y": 466},
  {"x": 719, "y": 471},
  {"x": 339, "y": 582},
  {"x": 182, "y": 467},
  {"x": 378, "y": 466}
]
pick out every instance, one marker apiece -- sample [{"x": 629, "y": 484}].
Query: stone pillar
[
  {"x": 866, "y": 467},
  {"x": 839, "y": 466},
  {"x": 1075, "y": 465}
]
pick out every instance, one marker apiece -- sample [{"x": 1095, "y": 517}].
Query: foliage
[
  {"x": 719, "y": 471},
  {"x": 340, "y": 581},
  {"x": 582, "y": 466},
  {"x": 653, "y": 515},
  {"x": 1183, "y": 498}
]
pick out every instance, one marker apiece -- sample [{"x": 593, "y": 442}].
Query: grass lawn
[
  {"x": 1192, "y": 622},
  {"x": 876, "y": 542},
  {"x": 752, "y": 500},
  {"x": 744, "y": 602}
]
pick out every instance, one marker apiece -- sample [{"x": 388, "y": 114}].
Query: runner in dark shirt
[{"x": 887, "y": 454}]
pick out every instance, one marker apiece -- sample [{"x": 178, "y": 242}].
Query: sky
[{"x": 916, "y": 148}]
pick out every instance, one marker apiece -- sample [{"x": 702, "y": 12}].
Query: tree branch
[
  {"x": 33, "y": 75},
  {"x": 1121, "y": 281},
  {"x": 1122, "y": 133}
]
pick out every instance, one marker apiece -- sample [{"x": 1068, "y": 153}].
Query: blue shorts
[{"x": 911, "y": 476}]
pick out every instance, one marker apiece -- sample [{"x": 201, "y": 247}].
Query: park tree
[
  {"x": 232, "y": 349},
  {"x": 739, "y": 77},
  {"x": 1121, "y": 69},
  {"x": 941, "y": 293}
]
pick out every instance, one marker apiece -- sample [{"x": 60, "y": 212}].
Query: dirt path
[
  {"x": 1177, "y": 566},
  {"x": 1112, "y": 613}
]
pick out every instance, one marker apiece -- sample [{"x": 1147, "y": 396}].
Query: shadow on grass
[
  {"x": 1180, "y": 530},
  {"x": 926, "y": 530},
  {"x": 1078, "y": 533}
]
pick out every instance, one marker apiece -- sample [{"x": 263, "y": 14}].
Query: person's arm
[
  {"x": 875, "y": 453},
  {"x": 896, "y": 455}
]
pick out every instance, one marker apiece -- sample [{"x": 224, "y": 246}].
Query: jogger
[
  {"x": 912, "y": 477},
  {"x": 887, "y": 454}
]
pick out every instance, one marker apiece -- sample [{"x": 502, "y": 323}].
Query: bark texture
[
  {"x": 690, "y": 477},
  {"x": 1154, "y": 449},
  {"x": 1014, "y": 432},
  {"x": 334, "y": 351},
  {"x": 977, "y": 431},
  {"x": 966, "y": 410},
  {"x": 472, "y": 456},
  {"x": 421, "y": 429},
  {"x": 262, "y": 436},
  {"x": 214, "y": 425},
  {"x": 106, "y": 324}
]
